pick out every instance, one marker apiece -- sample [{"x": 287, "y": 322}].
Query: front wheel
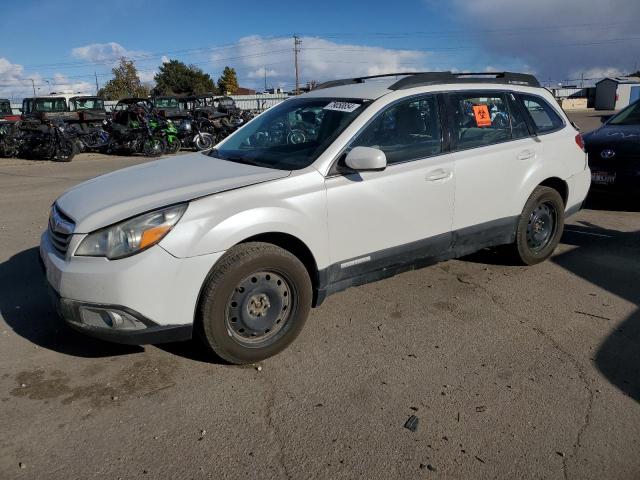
[
  {"x": 539, "y": 228},
  {"x": 65, "y": 151},
  {"x": 173, "y": 145},
  {"x": 153, "y": 147},
  {"x": 203, "y": 141},
  {"x": 255, "y": 302}
]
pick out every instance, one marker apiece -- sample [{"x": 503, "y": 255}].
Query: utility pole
[
  {"x": 97, "y": 87},
  {"x": 33, "y": 84},
  {"x": 296, "y": 49},
  {"x": 265, "y": 79},
  {"x": 582, "y": 80}
]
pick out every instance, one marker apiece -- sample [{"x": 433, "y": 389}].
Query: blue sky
[{"x": 61, "y": 43}]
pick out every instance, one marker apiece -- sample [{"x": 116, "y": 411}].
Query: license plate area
[{"x": 603, "y": 178}]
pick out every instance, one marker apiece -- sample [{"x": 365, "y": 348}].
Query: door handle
[
  {"x": 438, "y": 174},
  {"x": 526, "y": 155}
]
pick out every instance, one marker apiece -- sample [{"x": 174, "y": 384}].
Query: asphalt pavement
[{"x": 512, "y": 372}]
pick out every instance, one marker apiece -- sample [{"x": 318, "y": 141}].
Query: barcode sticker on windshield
[{"x": 342, "y": 106}]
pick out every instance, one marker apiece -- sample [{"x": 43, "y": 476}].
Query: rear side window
[
  {"x": 542, "y": 114},
  {"x": 408, "y": 130},
  {"x": 480, "y": 119}
]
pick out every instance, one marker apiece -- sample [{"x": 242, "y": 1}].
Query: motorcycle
[
  {"x": 50, "y": 140},
  {"x": 166, "y": 130},
  {"x": 194, "y": 133},
  {"x": 93, "y": 140},
  {"x": 10, "y": 140},
  {"x": 131, "y": 131}
]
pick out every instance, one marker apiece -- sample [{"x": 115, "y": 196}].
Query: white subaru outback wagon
[{"x": 353, "y": 182}]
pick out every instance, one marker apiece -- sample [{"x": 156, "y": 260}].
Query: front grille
[{"x": 60, "y": 230}]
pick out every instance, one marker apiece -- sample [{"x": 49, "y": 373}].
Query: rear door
[
  {"x": 493, "y": 152},
  {"x": 388, "y": 218}
]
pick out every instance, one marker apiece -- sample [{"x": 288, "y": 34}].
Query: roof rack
[
  {"x": 432, "y": 78},
  {"x": 418, "y": 79},
  {"x": 350, "y": 81}
]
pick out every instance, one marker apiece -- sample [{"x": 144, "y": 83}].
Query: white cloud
[
  {"x": 109, "y": 52},
  {"x": 559, "y": 40},
  {"x": 262, "y": 72},
  {"x": 319, "y": 60},
  {"x": 16, "y": 84}
]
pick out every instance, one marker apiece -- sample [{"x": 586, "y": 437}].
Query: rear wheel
[
  {"x": 539, "y": 228},
  {"x": 255, "y": 302}
]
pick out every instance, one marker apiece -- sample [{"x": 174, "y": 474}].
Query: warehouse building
[{"x": 616, "y": 93}]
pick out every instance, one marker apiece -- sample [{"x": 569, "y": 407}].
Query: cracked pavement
[{"x": 513, "y": 372}]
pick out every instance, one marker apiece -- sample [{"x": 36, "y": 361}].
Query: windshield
[
  {"x": 125, "y": 105},
  {"x": 225, "y": 102},
  {"x": 51, "y": 105},
  {"x": 204, "y": 102},
  {"x": 165, "y": 102},
  {"x": 291, "y": 135},
  {"x": 88, "y": 104},
  {"x": 5, "y": 107},
  {"x": 628, "y": 116}
]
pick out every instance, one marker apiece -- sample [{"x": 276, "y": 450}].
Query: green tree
[
  {"x": 125, "y": 82},
  {"x": 228, "y": 81},
  {"x": 176, "y": 78}
]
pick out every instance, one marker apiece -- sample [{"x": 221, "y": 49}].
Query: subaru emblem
[{"x": 607, "y": 153}]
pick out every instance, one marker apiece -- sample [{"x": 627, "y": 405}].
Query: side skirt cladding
[{"x": 422, "y": 253}]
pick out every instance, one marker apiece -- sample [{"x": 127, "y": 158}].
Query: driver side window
[{"x": 408, "y": 130}]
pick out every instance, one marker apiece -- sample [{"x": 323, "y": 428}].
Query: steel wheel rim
[
  {"x": 259, "y": 308},
  {"x": 542, "y": 226}
]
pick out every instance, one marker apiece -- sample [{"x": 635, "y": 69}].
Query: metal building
[{"x": 616, "y": 93}]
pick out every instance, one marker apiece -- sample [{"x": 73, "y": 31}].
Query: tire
[
  {"x": 203, "y": 141},
  {"x": 539, "y": 228},
  {"x": 154, "y": 147},
  {"x": 66, "y": 151},
  {"x": 173, "y": 147},
  {"x": 254, "y": 303}
]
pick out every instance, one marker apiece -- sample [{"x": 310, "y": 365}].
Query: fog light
[{"x": 111, "y": 318}]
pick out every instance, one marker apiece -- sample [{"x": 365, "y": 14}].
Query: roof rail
[
  {"x": 433, "y": 78},
  {"x": 350, "y": 81},
  {"x": 417, "y": 79}
]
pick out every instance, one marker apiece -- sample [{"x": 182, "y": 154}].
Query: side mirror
[
  {"x": 605, "y": 118},
  {"x": 363, "y": 159}
]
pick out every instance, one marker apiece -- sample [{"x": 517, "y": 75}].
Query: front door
[{"x": 382, "y": 221}]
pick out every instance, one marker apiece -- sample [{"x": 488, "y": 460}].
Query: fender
[{"x": 294, "y": 206}]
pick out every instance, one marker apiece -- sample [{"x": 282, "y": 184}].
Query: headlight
[{"x": 131, "y": 236}]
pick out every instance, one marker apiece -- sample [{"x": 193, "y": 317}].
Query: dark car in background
[{"x": 614, "y": 153}]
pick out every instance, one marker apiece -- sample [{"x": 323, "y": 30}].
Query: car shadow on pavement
[
  {"x": 601, "y": 201},
  {"x": 26, "y": 307},
  {"x": 610, "y": 259}
]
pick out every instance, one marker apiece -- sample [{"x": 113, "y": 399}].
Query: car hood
[
  {"x": 624, "y": 139},
  {"x": 118, "y": 195}
]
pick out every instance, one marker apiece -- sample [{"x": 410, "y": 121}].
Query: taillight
[{"x": 580, "y": 142}]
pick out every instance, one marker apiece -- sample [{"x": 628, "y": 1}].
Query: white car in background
[{"x": 353, "y": 182}]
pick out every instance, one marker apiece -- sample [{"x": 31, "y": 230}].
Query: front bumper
[
  {"x": 155, "y": 292},
  {"x": 148, "y": 333}
]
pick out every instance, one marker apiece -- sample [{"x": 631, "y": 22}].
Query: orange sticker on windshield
[{"x": 481, "y": 112}]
